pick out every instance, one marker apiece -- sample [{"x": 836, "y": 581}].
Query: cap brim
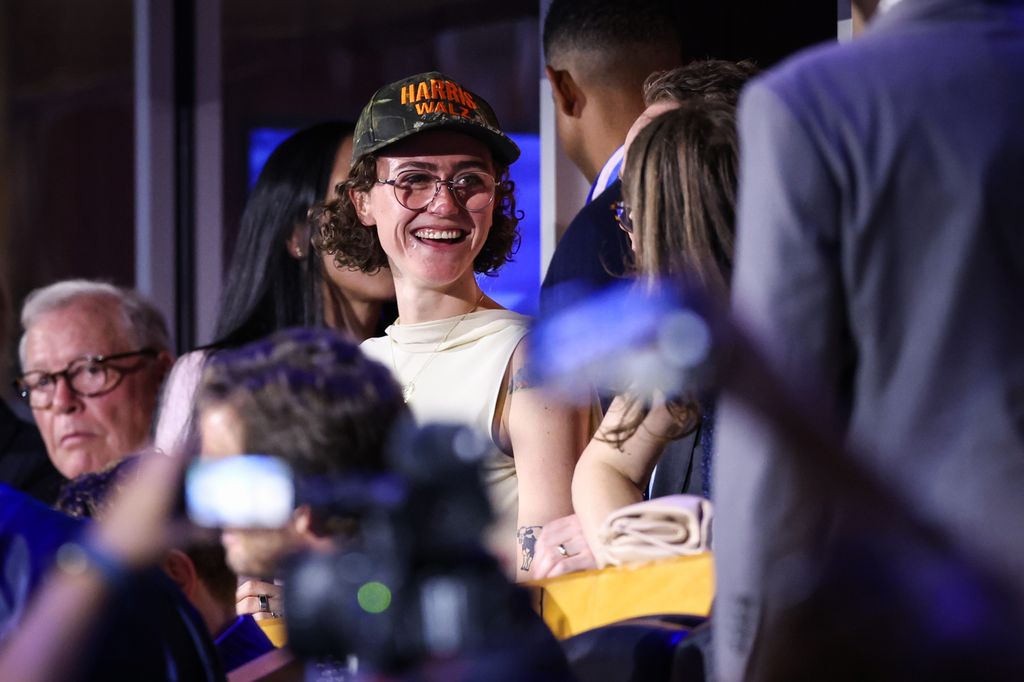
[{"x": 505, "y": 151}]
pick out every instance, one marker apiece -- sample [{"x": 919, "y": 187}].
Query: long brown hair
[
  {"x": 679, "y": 181},
  {"x": 680, "y": 184}
]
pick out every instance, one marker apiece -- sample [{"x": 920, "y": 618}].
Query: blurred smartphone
[{"x": 246, "y": 491}]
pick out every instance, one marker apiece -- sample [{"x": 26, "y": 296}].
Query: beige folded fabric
[{"x": 668, "y": 526}]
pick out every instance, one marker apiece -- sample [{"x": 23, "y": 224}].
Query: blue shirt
[{"x": 242, "y": 641}]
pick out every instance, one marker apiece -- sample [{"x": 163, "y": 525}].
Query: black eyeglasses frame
[{"x": 24, "y": 391}]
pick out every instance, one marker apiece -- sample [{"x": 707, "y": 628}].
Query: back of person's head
[
  {"x": 598, "y": 54},
  {"x": 708, "y": 80},
  {"x": 620, "y": 42},
  {"x": 309, "y": 396},
  {"x": 267, "y": 286},
  {"x": 142, "y": 320},
  {"x": 680, "y": 183}
]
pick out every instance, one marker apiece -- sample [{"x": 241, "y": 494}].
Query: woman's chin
[{"x": 439, "y": 271}]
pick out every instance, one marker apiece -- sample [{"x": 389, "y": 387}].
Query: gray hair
[{"x": 141, "y": 316}]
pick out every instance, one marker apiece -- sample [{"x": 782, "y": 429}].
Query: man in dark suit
[
  {"x": 598, "y": 53},
  {"x": 880, "y": 255},
  {"x": 592, "y": 254}
]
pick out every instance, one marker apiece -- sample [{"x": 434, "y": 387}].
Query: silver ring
[
  {"x": 563, "y": 551},
  {"x": 264, "y": 602}
]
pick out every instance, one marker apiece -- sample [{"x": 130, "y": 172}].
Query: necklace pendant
[{"x": 407, "y": 391}]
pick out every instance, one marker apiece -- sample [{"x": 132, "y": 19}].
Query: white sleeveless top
[{"x": 458, "y": 381}]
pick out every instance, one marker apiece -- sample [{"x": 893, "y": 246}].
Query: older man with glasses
[{"x": 93, "y": 357}]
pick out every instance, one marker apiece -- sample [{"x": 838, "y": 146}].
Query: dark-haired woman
[{"x": 276, "y": 279}]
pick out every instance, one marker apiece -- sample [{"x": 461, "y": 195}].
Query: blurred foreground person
[
  {"x": 197, "y": 566},
  {"x": 93, "y": 357},
  {"x": 96, "y": 612},
  {"x": 313, "y": 400},
  {"x": 880, "y": 254}
]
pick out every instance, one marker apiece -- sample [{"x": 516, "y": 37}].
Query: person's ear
[
  {"x": 569, "y": 98},
  {"x": 179, "y": 567},
  {"x": 297, "y": 245},
  {"x": 302, "y": 520},
  {"x": 302, "y": 526},
  {"x": 361, "y": 202}
]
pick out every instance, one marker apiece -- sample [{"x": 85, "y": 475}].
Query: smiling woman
[
  {"x": 432, "y": 247},
  {"x": 340, "y": 233},
  {"x": 429, "y": 199}
]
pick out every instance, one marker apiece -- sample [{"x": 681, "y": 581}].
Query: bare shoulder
[{"x": 519, "y": 369}]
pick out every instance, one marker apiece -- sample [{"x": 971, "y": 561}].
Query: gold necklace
[{"x": 409, "y": 387}]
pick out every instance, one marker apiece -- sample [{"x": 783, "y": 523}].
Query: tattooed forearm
[
  {"x": 520, "y": 380},
  {"x": 527, "y": 537}
]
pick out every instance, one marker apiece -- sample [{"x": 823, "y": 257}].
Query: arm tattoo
[
  {"x": 520, "y": 380},
  {"x": 527, "y": 537}
]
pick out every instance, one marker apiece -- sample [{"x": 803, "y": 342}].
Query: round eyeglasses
[
  {"x": 474, "y": 191},
  {"x": 623, "y": 216},
  {"x": 88, "y": 376}
]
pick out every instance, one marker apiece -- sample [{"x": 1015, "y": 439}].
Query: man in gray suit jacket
[{"x": 880, "y": 256}]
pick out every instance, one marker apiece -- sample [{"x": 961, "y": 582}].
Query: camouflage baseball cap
[{"x": 423, "y": 102}]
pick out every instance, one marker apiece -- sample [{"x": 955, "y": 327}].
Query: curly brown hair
[
  {"x": 706, "y": 80},
  {"x": 337, "y": 230}
]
